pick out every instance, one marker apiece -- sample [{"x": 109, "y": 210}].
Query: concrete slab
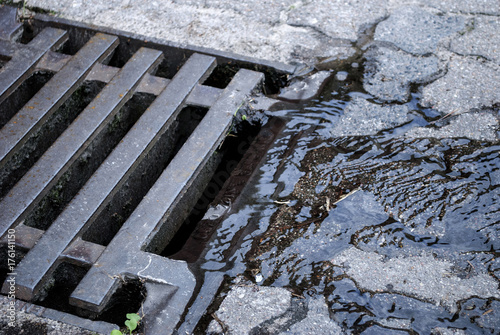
[
  {"x": 365, "y": 118},
  {"x": 460, "y": 6},
  {"x": 243, "y": 28},
  {"x": 421, "y": 276},
  {"x": 389, "y": 73},
  {"x": 418, "y": 31},
  {"x": 469, "y": 84},
  {"x": 481, "y": 38},
  {"x": 476, "y": 126},
  {"x": 246, "y": 307},
  {"x": 338, "y": 18}
]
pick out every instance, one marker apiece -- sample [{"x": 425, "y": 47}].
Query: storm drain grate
[{"x": 97, "y": 168}]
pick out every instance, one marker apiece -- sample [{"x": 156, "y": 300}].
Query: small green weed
[{"x": 131, "y": 323}]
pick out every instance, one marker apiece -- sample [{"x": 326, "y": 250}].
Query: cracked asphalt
[{"x": 449, "y": 49}]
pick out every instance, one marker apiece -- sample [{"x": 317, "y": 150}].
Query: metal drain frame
[{"x": 173, "y": 277}]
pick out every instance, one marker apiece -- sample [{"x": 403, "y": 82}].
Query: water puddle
[{"x": 399, "y": 234}]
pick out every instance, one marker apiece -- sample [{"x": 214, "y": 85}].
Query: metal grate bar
[
  {"x": 26, "y": 236},
  {"x": 110, "y": 177},
  {"x": 54, "y": 61},
  {"x": 25, "y": 58},
  {"x": 28, "y": 121},
  {"x": 202, "y": 96},
  {"x": 9, "y": 27},
  {"x": 82, "y": 252},
  {"x": 35, "y": 184},
  {"x": 104, "y": 73},
  {"x": 100, "y": 164},
  {"x": 157, "y": 214}
]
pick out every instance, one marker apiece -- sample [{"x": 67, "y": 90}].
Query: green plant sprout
[
  {"x": 243, "y": 117},
  {"x": 131, "y": 323}
]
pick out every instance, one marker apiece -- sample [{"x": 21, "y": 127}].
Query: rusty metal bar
[
  {"x": 124, "y": 255},
  {"x": 202, "y": 95},
  {"x": 10, "y": 29},
  {"x": 81, "y": 134},
  {"x": 112, "y": 175},
  {"x": 28, "y": 123},
  {"x": 25, "y": 58}
]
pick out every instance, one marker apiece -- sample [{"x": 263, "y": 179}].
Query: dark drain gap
[
  {"x": 223, "y": 73},
  {"x": 28, "y": 32},
  {"x": 4, "y": 256},
  {"x": 233, "y": 148},
  {"x": 77, "y": 37},
  {"x": 43, "y": 137},
  {"x": 22, "y": 95},
  {"x": 109, "y": 221},
  {"x": 65, "y": 279},
  {"x": 241, "y": 158},
  {"x": 88, "y": 162},
  {"x": 127, "y": 299}
]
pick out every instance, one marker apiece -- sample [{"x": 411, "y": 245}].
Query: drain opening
[
  {"x": 39, "y": 141},
  {"x": 22, "y": 95},
  {"x": 127, "y": 299},
  {"x": 64, "y": 280},
  {"x": 243, "y": 155},
  {"x": 232, "y": 150},
  {"x": 109, "y": 221},
  {"x": 223, "y": 73},
  {"x": 87, "y": 163}
]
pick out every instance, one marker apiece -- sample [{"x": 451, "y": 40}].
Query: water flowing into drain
[{"x": 395, "y": 230}]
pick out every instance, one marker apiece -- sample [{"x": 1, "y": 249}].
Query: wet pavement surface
[{"x": 377, "y": 210}]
